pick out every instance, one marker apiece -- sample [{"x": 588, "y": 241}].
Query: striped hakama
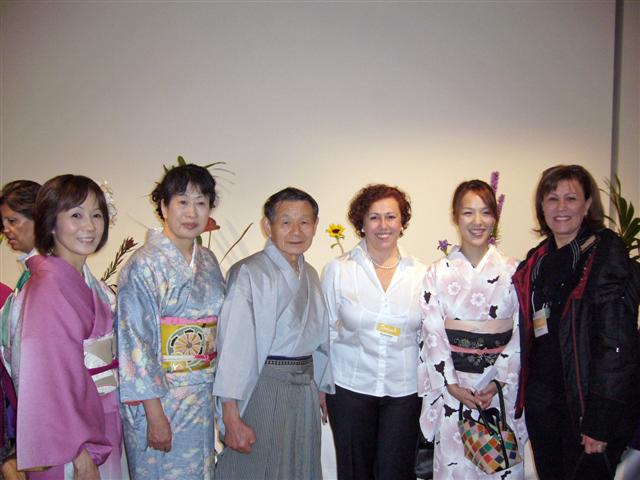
[{"x": 285, "y": 413}]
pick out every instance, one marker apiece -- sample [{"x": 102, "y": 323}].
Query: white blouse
[{"x": 374, "y": 334}]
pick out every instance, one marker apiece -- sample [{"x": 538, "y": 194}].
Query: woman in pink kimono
[
  {"x": 469, "y": 327},
  {"x": 68, "y": 421}
]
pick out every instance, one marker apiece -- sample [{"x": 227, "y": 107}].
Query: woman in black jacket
[{"x": 578, "y": 293}]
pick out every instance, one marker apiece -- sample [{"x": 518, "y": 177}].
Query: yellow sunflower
[{"x": 335, "y": 230}]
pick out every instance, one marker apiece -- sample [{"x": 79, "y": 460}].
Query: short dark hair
[
  {"x": 549, "y": 182},
  {"x": 60, "y": 194},
  {"x": 176, "y": 180},
  {"x": 288, "y": 194},
  {"x": 367, "y": 196},
  {"x": 20, "y": 196},
  {"x": 480, "y": 188}
]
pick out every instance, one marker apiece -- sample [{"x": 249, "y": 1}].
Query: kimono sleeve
[
  {"x": 323, "y": 373},
  {"x": 435, "y": 365},
  {"x": 138, "y": 321},
  {"x": 59, "y": 409},
  {"x": 508, "y": 362},
  {"x": 238, "y": 366}
]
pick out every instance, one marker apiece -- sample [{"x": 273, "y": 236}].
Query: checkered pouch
[{"x": 488, "y": 441}]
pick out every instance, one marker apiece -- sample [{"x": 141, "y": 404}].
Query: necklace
[{"x": 385, "y": 267}]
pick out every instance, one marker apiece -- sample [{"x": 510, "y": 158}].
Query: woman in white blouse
[{"x": 372, "y": 297}]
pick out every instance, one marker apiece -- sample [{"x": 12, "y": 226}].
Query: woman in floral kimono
[
  {"x": 68, "y": 420},
  {"x": 170, "y": 293},
  {"x": 469, "y": 309}
]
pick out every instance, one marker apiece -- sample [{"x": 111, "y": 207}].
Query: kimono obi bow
[
  {"x": 187, "y": 344},
  {"x": 476, "y": 344},
  {"x": 100, "y": 360}
]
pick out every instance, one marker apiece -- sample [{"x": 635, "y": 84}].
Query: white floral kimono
[{"x": 480, "y": 300}]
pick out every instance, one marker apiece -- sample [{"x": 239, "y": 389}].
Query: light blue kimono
[{"x": 157, "y": 283}]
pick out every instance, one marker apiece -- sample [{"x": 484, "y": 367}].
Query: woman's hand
[
  {"x": 484, "y": 397},
  {"x": 463, "y": 395},
  {"x": 10, "y": 470},
  {"x": 84, "y": 468},
  {"x": 238, "y": 435},
  {"x": 158, "y": 427},
  {"x": 323, "y": 406},
  {"x": 593, "y": 446}
]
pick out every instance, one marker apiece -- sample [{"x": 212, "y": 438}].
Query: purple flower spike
[
  {"x": 495, "y": 179},
  {"x": 500, "y": 203}
]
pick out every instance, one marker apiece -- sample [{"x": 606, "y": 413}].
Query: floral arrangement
[
  {"x": 443, "y": 245},
  {"x": 336, "y": 231}
]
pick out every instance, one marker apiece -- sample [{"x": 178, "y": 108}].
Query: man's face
[{"x": 292, "y": 229}]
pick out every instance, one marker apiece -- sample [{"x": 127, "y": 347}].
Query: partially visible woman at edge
[
  {"x": 374, "y": 318},
  {"x": 17, "y": 202},
  {"x": 469, "y": 324},
  {"x": 169, "y": 297},
  {"x": 68, "y": 420},
  {"x": 578, "y": 313}
]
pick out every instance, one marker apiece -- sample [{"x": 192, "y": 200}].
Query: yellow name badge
[{"x": 388, "y": 331}]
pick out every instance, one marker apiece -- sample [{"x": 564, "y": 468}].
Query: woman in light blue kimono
[{"x": 170, "y": 294}]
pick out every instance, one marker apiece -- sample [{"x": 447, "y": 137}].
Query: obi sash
[
  {"x": 100, "y": 360},
  {"x": 476, "y": 344},
  {"x": 187, "y": 344}
]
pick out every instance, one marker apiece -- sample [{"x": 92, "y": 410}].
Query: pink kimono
[{"x": 60, "y": 411}]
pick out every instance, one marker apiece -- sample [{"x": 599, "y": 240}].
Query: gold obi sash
[
  {"x": 187, "y": 344},
  {"x": 100, "y": 360}
]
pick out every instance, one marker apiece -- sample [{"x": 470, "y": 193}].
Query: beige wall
[{"x": 325, "y": 96}]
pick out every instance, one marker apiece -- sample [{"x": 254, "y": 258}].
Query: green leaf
[
  {"x": 630, "y": 213},
  {"x": 209, "y": 165},
  {"x": 631, "y": 232},
  {"x": 181, "y": 161},
  {"x": 199, "y": 239}
]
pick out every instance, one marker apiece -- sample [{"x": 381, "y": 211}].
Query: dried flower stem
[{"x": 125, "y": 247}]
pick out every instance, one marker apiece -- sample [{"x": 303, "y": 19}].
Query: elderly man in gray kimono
[{"x": 273, "y": 341}]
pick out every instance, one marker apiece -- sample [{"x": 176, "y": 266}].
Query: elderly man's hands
[{"x": 238, "y": 435}]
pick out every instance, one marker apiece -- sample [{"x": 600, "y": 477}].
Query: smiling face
[
  {"x": 564, "y": 210},
  {"x": 382, "y": 225},
  {"x": 186, "y": 216},
  {"x": 18, "y": 229},
  {"x": 475, "y": 222},
  {"x": 292, "y": 229},
  {"x": 78, "y": 231}
]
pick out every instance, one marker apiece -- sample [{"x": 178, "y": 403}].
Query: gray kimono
[{"x": 256, "y": 321}]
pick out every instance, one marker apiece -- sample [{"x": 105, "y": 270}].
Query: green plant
[{"x": 627, "y": 225}]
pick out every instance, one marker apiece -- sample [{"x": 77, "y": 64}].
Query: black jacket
[{"x": 598, "y": 339}]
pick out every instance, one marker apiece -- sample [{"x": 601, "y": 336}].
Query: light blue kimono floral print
[{"x": 158, "y": 282}]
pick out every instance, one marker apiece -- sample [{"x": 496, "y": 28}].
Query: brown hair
[
  {"x": 549, "y": 182},
  {"x": 480, "y": 188},
  {"x": 20, "y": 196},
  {"x": 60, "y": 194},
  {"x": 367, "y": 196}
]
